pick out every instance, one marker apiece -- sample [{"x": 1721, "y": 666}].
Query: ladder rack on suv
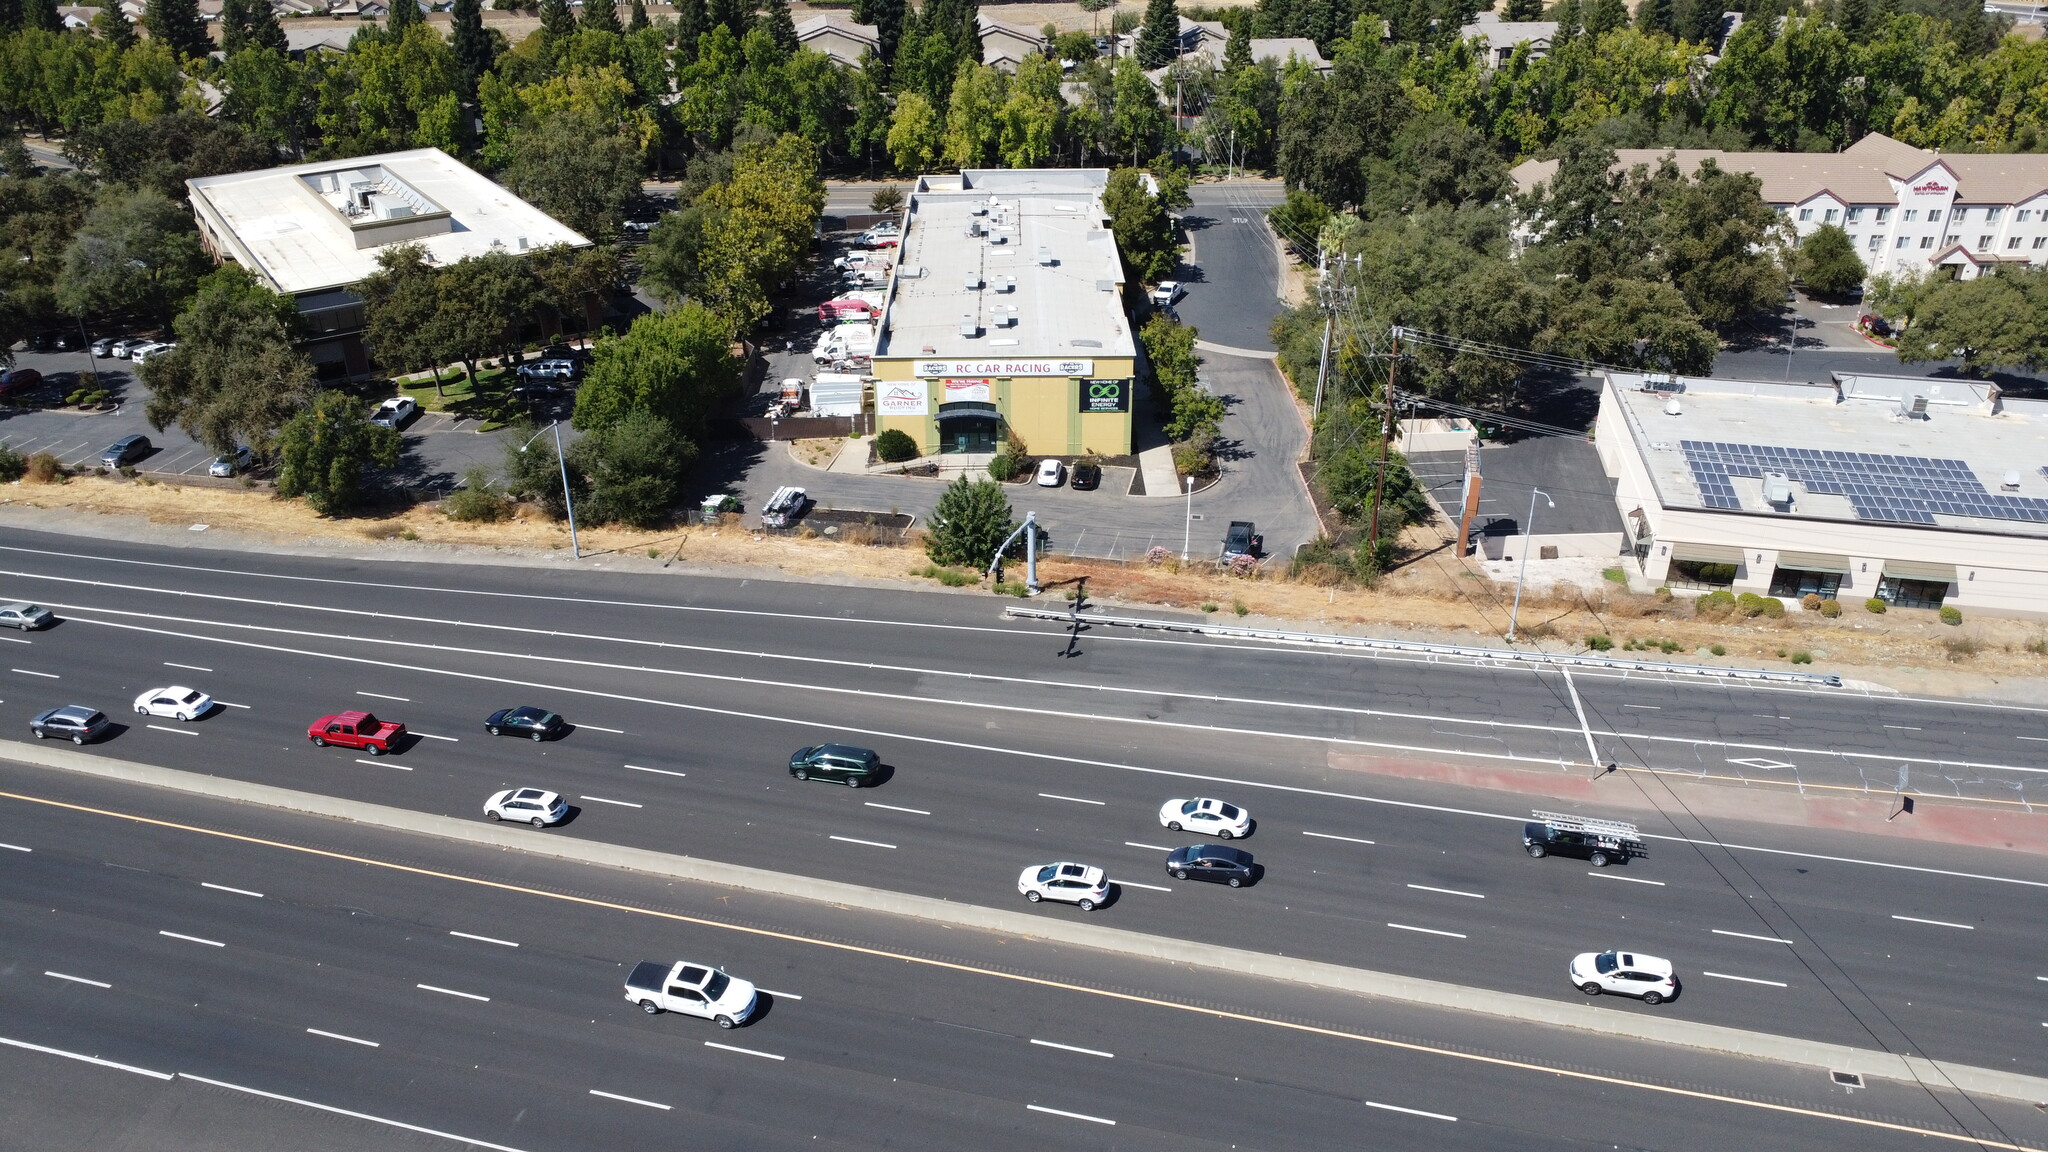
[{"x": 1619, "y": 830}]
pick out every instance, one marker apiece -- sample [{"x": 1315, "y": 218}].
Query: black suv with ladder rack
[{"x": 1600, "y": 842}]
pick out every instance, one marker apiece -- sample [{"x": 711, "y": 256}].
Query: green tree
[
  {"x": 635, "y": 467},
  {"x": 235, "y": 376},
  {"x": 916, "y": 134},
  {"x": 1657, "y": 16},
  {"x": 1137, "y": 123},
  {"x": 401, "y": 312},
  {"x": 41, "y": 15},
  {"x": 1998, "y": 320},
  {"x": 176, "y": 24},
  {"x": 1642, "y": 324},
  {"x": 776, "y": 21},
  {"x": 395, "y": 93},
  {"x": 1144, "y": 233},
  {"x": 263, "y": 29},
  {"x": 269, "y": 97},
  {"x": 971, "y": 521},
  {"x": 557, "y": 23},
  {"x": 1332, "y": 127},
  {"x": 1519, "y": 11},
  {"x": 675, "y": 365},
  {"x": 474, "y": 52},
  {"x": 115, "y": 28},
  {"x": 973, "y": 131},
  {"x": 750, "y": 232},
  {"x": 136, "y": 253},
  {"x": 638, "y": 21},
  {"x": 735, "y": 16},
  {"x": 234, "y": 26},
  {"x": 1300, "y": 220},
  {"x": 1602, "y": 15},
  {"x": 601, "y": 16},
  {"x": 1828, "y": 264},
  {"x": 888, "y": 17},
  {"x": 483, "y": 302},
  {"x": 1718, "y": 242},
  {"x": 403, "y": 14},
  {"x": 325, "y": 451},
  {"x": 162, "y": 152},
  {"x": 1159, "y": 39},
  {"x": 576, "y": 169}
]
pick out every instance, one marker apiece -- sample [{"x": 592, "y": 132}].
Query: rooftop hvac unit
[
  {"x": 1044, "y": 256},
  {"x": 1777, "y": 490},
  {"x": 1919, "y": 406},
  {"x": 1661, "y": 382},
  {"x": 972, "y": 282},
  {"x": 974, "y": 227},
  {"x": 1105, "y": 285},
  {"x": 969, "y": 327}
]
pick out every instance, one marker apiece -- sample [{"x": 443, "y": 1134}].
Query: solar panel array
[{"x": 1879, "y": 486}]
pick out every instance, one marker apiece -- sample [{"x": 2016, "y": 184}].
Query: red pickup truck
[{"x": 356, "y": 730}]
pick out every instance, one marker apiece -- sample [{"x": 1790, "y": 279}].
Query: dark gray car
[
  {"x": 74, "y": 722},
  {"x": 838, "y": 763},
  {"x": 1215, "y": 863},
  {"x": 126, "y": 450}
]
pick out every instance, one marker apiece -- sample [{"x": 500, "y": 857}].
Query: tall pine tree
[
  {"x": 1656, "y": 16},
  {"x": 1853, "y": 18},
  {"x": 114, "y": 27},
  {"x": 264, "y": 30},
  {"x": 601, "y": 16},
  {"x": 10, "y": 16},
  {"x": 472, "y": 45},
  {"x": 638, "y": 19},
  {"x": 1700, "y": 22},
  {"x": 692, "y": 21},
  {"x": 736, "y": 15},
  {"x": 776, "y": 20},
  {"x": 1519, "y": 11},
  {"x": 1605, "y": 16},
  {"x": 175, "y": 24},
  {"x": 1159, "y": 39},
  {"x": 1237, "y": 51},
  {"x": 42, "y": 15},
  {"x": 404, "y": 14},
  {"x": 1569, "y": 22},
  {"x": 888, "y": 17},
  {"x": 234, "y": 26},
  {"x": 556, "y": 21}
]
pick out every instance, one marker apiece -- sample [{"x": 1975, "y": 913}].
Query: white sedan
[
  {"x": 527, "y": 805},
  {"x": 1648, "y": 978},
  {"x": 1082, "y": 885},
  {"x": 1051, "y": 473},
  {"x": 174, "y": 703},
  {"x": 1209, "y": 817}
]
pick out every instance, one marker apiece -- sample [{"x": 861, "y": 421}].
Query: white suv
[
  {"x": 1649, "y": 978},
  {"x": 531, "y": 805},
  {"x": 1082, "y": 885}
]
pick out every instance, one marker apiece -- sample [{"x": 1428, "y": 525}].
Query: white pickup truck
[{"x": 692, "y": 989}]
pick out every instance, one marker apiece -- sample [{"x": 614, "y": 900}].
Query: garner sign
[{"x": 1011, "y": 368}]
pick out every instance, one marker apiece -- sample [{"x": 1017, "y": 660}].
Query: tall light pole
[
  {"x": 1528, "y": 538},
  {"x": 568, "y": 505},
  {"x": 1188, "y": 526}
]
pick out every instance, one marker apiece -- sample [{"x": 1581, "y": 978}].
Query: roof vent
[
  {"x": 974, "y": 227},
  {"x": 1098, "y": 344},
  {"x": 2011, "y": 482},
  {"x": 1006, "y": 283},
  {"x": 1045, "y": 259},
  {"x": 1105, "y": 285},
  {"x": 1671, "y": 407},
  {"x": 970, "y": 327},
  {"x": 1778, "y": 491},
  {"x": 973, "y": 282}
]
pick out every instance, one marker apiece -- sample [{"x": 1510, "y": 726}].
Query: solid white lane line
[
  {"x": 187, "y": 667},
  {"x": 1937, "y": 923},
  {"x": 1135, "y": 884},
  {"x": 1646, "y": 707},
  {"x": 1446, "y": 891},
  {"x": 1744, "y": 979},
  {"x": 631, "y": 1100},
  {"x": 484, "y": 939},
  {"x": 1070, "y": 1115},
  {"x": 1075, "y": 799},
  {"x": 193, "y": 939},
  {"x": 620, "y": 803},
  {"x": 44, "y": 675},
  {"x": 656, "y": 771},
  {"x": 894, "y": 808},
  {"x": 225, "y": 888},
  {"x": 381, "y": 764},
  {"x": 83, "y": 1058},
  {"x": 431, "y": 736},
  {"x": 595, "y": 728},
  {"x": 179, "y": 731},
  {"x": 1071, "y": 1048},
  {"x": 16, "y": 848},
  {"x": 1153, "y": 847},
  {"x": 869, "y": 843},
  {"x": 381, "y": 696},
  {"x": 79, "y": 980},
  {"x": 1765, "y": 939},
  {"x": 1410, "y": 1111},
  {"x": 1346, "y": 839},
  {"x": 350, "y": 1039},
  {"x": 2035, "y": 739},
  {"x": 1429, "y": 931},
  {"x": 453, "y": 992},
  {"x": 1905, "y": 727},
  {"x": 743, "y": 1051},
  {"x": 225, "y": 704},
  {"x": 778, "y": 995},
  {"x": 1630, "y": 879}
]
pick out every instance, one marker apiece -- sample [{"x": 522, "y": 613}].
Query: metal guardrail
[{"x": 1457, "y": 651}]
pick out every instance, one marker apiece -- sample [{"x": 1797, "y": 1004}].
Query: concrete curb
[{"x": 1237, "y": 961}]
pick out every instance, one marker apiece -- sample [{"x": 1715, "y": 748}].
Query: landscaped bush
[
  {"x": 1874, "y": 606},
  {"x": 1715, "y": 605},
  {"x": 1718, "y": 650},
  {"x": 1950, "y": 614},
  {"x": 1802, "y": 657},
  {"x": 12, "y": 465},
  {"x": 1749, "y": 605},
  {"x": 479, "y": 501},
  {"x": 1773, "y": 608},
  {"x": 894, "y": 446},
  {"x": 1831, "y": 608},
  {"x": 1810, "y": 601},
  {"x": 1004, "y": 467},
  {"x": 1599, "y": 643}
]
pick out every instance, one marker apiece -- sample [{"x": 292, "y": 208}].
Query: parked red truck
[{"x": 356, "y": 730}]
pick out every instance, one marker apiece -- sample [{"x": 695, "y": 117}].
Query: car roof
[
  {"x": 842, "y": 750},
  {"x": 19, "y": 606},
  {"x": 1212, "y": 852},
  {"x": 75, "y": 712},
  {"x": 1641, "y": 963}
]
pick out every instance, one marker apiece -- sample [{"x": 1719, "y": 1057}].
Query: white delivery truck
[
  {"x": 838, "y": 394},
  {"x": 846, "y": 342}
]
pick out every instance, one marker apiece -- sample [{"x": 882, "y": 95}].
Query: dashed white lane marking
[
  {"x": 1135, "y": 884},
  {"x": 187, "y": 667},
  {"x": 83, "y": 1058},
  {"x": 1070, "y": 1115},
  {"x": 595, "y": 728},
  {"x": 1937, "y": 923},
  {"x": 1446, "y": 891},
  {"x": 225, "y": 704},
  {"x": 631, "y": 1100},
  {"x": 1630, "y": 879},
  {"x": 743, "y": 1051},
  {"x": 484, "y": 939},
  {"x": 79, "y": 980},
  {"x": 1346, "y": 839},
  {"x": 1765, "y": 939},
  {"x": 381, "y": 764},
  {"x": 1410, "y": 1111},
  {"x": 179, "y": 731},
  {"x": 1429, "y": 931},
  {"x": 44, "y": 675},
  {"x": 1646, "y": 707},
  {"x": 381, "y": 696},
  {"x": 453, "y": 992},
  {"x": 778, "y": 995},
  {"x": 2035, "y": 739},
  {"x": 431, "y": 736},
  {"x": 894, "y": 808},
  {"x": 17, "y": 639},
  {"x": 1071, "y": 1048},
  {"x": 225, "y": 888},
  {"x": 1744, "y": 979},
  {"x": 656, "y": 771},
  {"x": 193, "y": 939},
  {"x": 1074, "y": 799},
  {"x": 16, "y": 848},
  {"x": 349, "y": 1039},
  {"x": 1905, "y": 727},
  {"x": 1153, "y": 847},
  {"x": 869, "y": 843},
  {"x": 620, "y": 803}
]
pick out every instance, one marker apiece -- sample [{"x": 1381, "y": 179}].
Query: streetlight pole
[
  {"x": 1528, "y": 537},
  {"x": 568, "y": 505},
  {"x": 1188, "y": 526}
]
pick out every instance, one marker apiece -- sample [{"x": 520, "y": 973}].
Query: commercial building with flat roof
[
  {"x": 311, "y": 231},
  {"x": 1005, "y": 317},
  {"x": 1916, "y": 491}
]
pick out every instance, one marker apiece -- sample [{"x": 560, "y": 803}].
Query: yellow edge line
[{"x": 1402, "y": 1045}]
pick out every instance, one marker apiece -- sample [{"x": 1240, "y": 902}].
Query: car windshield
[
  {"x": 1047, "y": 873},
  {"x": 1189, "y": 807},
  {"x": 30, "y": 609},
  {"x": 716, "y": 986},
  {"x": 1604, "y": 962}
]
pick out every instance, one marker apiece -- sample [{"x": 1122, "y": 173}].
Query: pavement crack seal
[{"x": 1524, "y": 1009}]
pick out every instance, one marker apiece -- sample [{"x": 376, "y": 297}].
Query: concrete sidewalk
[{"x": 1237, "y": 961}]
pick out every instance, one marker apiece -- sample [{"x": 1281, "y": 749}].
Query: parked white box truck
[{"x": 837, "y": 394}]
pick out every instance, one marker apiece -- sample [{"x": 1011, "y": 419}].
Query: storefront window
[
  {"x": 1793, "y": 583},
  {"x": 1912, "y": 593},
  {"x": 1701, "y": 574}
]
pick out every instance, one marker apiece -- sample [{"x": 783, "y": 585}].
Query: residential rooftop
[
  {"x": 1893, "y": 450},
  {"x": 306, "y": 228},
  {"x": 1003, "y": 264}
]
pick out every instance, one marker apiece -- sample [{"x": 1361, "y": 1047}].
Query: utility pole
[
  {"x": 1324, "y": 294},
  {"x": 1379, "y": 482}
]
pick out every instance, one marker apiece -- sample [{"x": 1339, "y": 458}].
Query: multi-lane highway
[{"x": 688, "y": 695}]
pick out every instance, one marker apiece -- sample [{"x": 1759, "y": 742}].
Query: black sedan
[
  {"x": 1087, "y": 477},
  {"x": 1215, "y": 863},
  {"x": 538, "y": 723}
]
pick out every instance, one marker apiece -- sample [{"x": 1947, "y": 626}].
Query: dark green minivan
[{"x": 839, "y": 763}]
